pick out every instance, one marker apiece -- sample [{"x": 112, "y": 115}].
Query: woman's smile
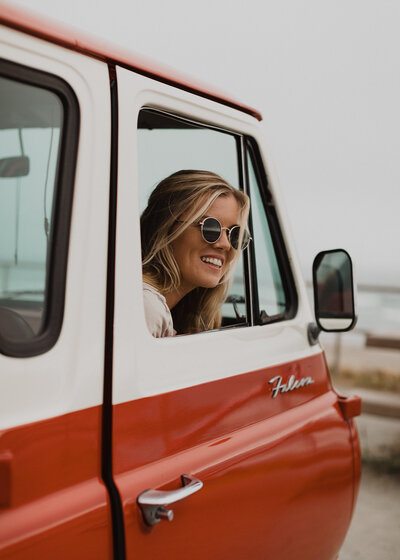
[{"x": 215, "y": 262}]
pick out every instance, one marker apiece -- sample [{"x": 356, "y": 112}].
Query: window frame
[
  {"x": 248, "y": 145},
  {"x": 251, "y": 148},
  {"x": 53, "y": 311}
]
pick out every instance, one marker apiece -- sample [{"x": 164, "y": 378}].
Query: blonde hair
[{"x": 185, "y": 193}]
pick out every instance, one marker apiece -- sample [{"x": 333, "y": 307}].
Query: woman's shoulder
[{"x": 157, "y": 313}]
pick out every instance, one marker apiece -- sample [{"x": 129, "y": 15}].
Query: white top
[{"x": 157, "y": 313}]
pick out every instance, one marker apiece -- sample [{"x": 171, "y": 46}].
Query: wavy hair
[{"x": 188, "y": 194}]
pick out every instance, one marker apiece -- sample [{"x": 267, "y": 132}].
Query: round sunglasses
[{"x": 211, "y": 231}]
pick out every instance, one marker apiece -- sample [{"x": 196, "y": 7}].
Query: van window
[
  {"x": 271, "y": 293},
  {"x": 263, "y": 289},
  {"x": 29, "y": 148},
  {"x": 32, "y": 127},
  {"x": 167, "y": 144}
]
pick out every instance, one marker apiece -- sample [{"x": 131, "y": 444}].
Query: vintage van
[{"x": 231, "y": 443}]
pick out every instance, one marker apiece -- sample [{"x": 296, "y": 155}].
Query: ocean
[{"x": 378, "y": 310}]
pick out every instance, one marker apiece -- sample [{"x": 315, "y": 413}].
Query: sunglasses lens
[
  {"x": 234, "y": 238},
  {"x": 211, "y": 230}
]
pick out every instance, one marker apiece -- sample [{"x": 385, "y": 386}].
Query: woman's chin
[
  {"x": 210, "y": 282},
  {"x": 209, "y": 279}
]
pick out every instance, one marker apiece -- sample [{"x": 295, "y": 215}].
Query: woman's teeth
[{"x": 211, "y": 260}]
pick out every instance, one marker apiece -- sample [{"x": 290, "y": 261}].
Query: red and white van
[{"x": 113, "y": 444}]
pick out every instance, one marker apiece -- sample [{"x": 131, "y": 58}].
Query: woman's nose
[{"x": 223, "y": 241}]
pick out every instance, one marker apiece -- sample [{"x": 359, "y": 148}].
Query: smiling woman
[{"x": 192, "y": 229}]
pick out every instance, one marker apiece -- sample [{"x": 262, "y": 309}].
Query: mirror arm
[{"x": 313, "y": 331}]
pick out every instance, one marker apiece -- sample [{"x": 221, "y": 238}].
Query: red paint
[
  {"x": 273, "y": 469},
  {"x": 56, "y": 501},
  {"x": 5, "y": 478},
  {"x": 355, "y": 442},
  {"x": 45, "y": 29}
]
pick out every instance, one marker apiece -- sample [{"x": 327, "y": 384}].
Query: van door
[
  {"x": 267, "y": 461},
  {"x": 54, "y": 184}
]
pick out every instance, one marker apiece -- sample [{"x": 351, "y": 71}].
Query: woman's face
[{"x": 202, "y": 264}]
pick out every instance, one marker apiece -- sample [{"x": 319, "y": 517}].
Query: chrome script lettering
[{"x": 290, "y": 385}]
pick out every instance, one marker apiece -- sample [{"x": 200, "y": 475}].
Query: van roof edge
[{"x": 46, "y": 29}]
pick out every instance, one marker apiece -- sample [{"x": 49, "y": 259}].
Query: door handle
[{"x": 153, "y": 502}]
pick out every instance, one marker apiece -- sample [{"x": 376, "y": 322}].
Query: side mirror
[{"x": 334, "y": 291}]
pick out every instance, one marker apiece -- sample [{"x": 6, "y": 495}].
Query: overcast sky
[{"x": 325, "y": 74}]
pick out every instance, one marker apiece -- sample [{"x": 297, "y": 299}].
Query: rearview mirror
[
  {"x": 334, "y": 291},
  {"x": 17, "y": 166}
]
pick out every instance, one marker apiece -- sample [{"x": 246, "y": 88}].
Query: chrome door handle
[{"x": 153, "y": 502}]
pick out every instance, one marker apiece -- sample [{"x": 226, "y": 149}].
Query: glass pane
[
  {"x": 166, "y": 145},
  {"x": 271, "y": 294},
  {"x": 162, "y": 151},
  {"x": 30, "y": 128},
  {"x": 234, "y": 310}
]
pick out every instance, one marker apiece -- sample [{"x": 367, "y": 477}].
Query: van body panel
[
  {"x": 69, "y": 377},
  {"x": 205, "y": 402},
  {"x": 266, "y": 464},
  {"x": 214, "y": 409},
  {"x": 153, "y": 360},
  {"x": 63, "y": 451},
  {"x": 53, "y": 499}
]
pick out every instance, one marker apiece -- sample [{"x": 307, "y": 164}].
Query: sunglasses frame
[{"x": 222, "y": 228}]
